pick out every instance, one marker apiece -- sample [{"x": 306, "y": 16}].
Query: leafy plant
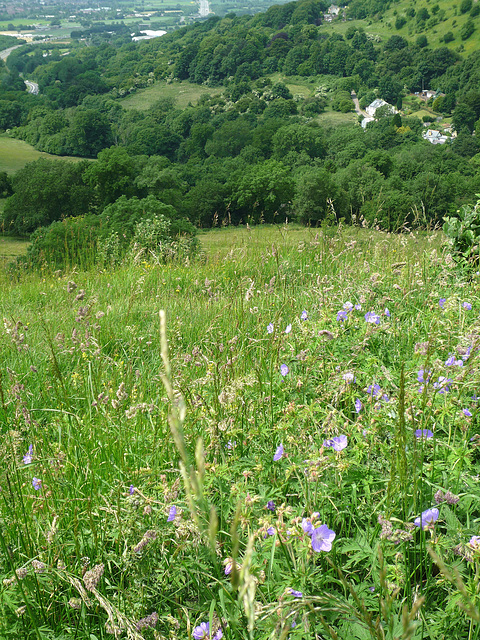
[{"x": 463, "y": 232}]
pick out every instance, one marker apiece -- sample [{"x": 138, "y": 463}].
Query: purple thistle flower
[
  {"x": 270, "y": 328},
  {"x": 278, "y": 453},
  {"x": 372, "y": 317},
  {"x": 172, "y": 513},
  {"x": 271, "y": 505},
  {"x": 338, "y": 443},
  {"x": 342, "y": 316},
  {"x": 467, "y": 413},
  {"x": 304, "y": 315},
  {"x": 467, "y": 306},
  {"x": 423, "y": 433},
  {"x": 288, "y": 328},
  {"x": 358, "y": 405},
  {"x": 37, "y": 483},
  {"x": 284, "y": 370},
  {"x": 441, "y": 303},
  {"x": 295, "y": 594},
  {"x": 322, "y": 538},
  {"x": 427, "y": 519},
  {"x": 28, "y": 457}
]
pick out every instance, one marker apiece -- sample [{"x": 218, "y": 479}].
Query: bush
[{"x": 463, "y": 232}]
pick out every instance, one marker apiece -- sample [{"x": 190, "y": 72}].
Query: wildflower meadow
[{"x": 276, "y": 439}]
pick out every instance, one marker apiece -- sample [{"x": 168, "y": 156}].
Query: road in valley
[
  {"x": 32, "y": 87},
  {"x": 6, "y": 52},
  {"x": 358, "y": 110}
]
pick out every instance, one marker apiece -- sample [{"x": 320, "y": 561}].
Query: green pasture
[
  {"x": 182, "y": 92},
  {"x": 15, "y": 154}
]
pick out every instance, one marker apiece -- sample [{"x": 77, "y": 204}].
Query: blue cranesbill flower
[
  {"x": 348, "y": 306},
  {"x": 358, "y": 405},
  {"x": 270, "y": 328},
  {"x": 37, "y": 483},
  {"x": 337, "y": 444},
  {"x": 278, "y": 453},
  {"x": 307, "y": 526},
  {"x": 372, "y": 317},
  {"x": 131, "y": 489},
  {"x": 288, "y": 328},
  {"x": 441, "y": 303},
  {"x": 467, "y": 413},
  {"x": 202, "y": 632},
  {"x": 28, "y": 457},
  {"x": 271, "y": 505},
  {"x": 322, "y": 538},
  {"x": 427, "y": 519},
  {"x": 304, "y": 315},
  {"x": 295, "y": 594},
  {"x": 467, "y": 306},
  {"x": 172, "y": 513},
  {"x": 284, "y": 370},
  {"x": 423, "y": 433},
  {"x": 342, "y": 316}
]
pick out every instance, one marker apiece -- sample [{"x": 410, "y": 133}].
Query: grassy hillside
[
  {"x": 451, "y": 20},
  {"x": 14, "y": 154},
  {"x": 282, "y": 450}
]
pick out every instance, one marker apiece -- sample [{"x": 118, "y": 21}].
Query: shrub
[{"x": 463, "y": 232}]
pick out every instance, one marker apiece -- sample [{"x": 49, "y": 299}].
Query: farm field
[
  {"x": 182, "y": 92},
  {"x": 289, "y": 450},
  {"x": 15, "y": 154}
]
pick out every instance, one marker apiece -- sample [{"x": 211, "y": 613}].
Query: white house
[
  {"x": 434, "y": 136},
  {"x": 377, "y": 104}
]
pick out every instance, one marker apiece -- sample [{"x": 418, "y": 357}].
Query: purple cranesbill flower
[
  {"x": 271, "y": 531},
  {"x": 172, "y": 513},
  {"x": 295, "y": 594},
  {"x": 304, "y": 315},
  {"x": 288, "y": 328},
  {"x": 466, "y": 355},
  {"x": 131, "y": 489},
  {"x": 349, "y": 378},
  {"x": 358, "y": 405},
  {"x": 373, "y": 390},
  {"x": 421, "y": 375},
  {"x": 453, "y": 362},
  {"x": 441, "y": 303},
  {"x": 322, "y": 538},
  {"x": 372, "y": 317},
  {"x": 358, "y": 307},
  {"x": 278, "y": 453},
  {"x": 348, "y": 306},
  {"x": 338, "y": 443},
  {"x": 270, "y": 328},
  {"x": 37, "y": 483},
  {"x": 467, "y": 306},
  {"x": 271, "y": 505},
  {"x": 474, "y": 543},
  {"x": 307, "y": 526},
  {"x": 387, "y": 312},
  {"x": 442, "y": 385},
  {"x": 342, "y": 316},
  {"x": 427, "y": 519},
  {"x": 467, "y": 413},
  {"x": 202, "y": 632},
  {"x": 28, "y": 457},
  {"x": 423, "y": 433},
  {"x": 284, "y": 370}
]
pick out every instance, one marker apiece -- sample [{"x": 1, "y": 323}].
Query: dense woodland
[{"x": 253, "y": 153}]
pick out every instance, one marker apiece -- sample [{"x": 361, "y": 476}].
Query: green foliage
[
  {"x": 463, "y": 233},
  {"x": 467, "y": 30}
]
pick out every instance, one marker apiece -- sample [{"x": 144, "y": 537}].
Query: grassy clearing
[
  {"x": 10, "y": 248},
  {"x": 182, "y": 92},
  {"x": 15, "y": 154},
  {"x": 259, "y": 460}
]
